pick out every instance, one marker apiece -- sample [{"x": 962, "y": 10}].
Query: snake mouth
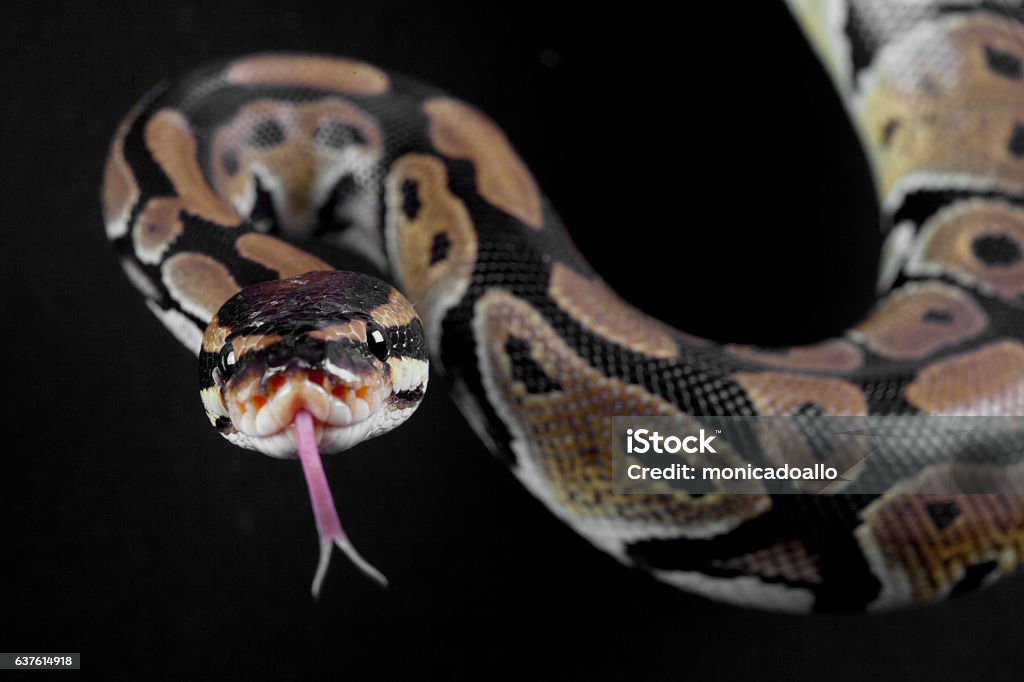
[{"x": 269, "y": 406}]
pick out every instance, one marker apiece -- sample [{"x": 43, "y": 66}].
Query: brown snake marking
[
  {"x": 325, "y": 135},
  {"x": 834, "y": 356},
  {"x": 120, "y": 190},
  {"x": 335, "y": 74},
  {"x": 782, "y": 393},
  {"x": 982, "y": 381},
  {"x": 541, "y": 353},
  {"x": 156, "y": 228},
  {"x": 199, "y": 283},
  {"x": 461, "y": 132},
  {"x": 173, "y": 147},
  {"x": 785, "y": 394},
  {"x": 916, "y": 321},
  {"x": 979, "y": 244},
  {"x": 939, "y": 539},
  {"x": 425, "y": 213},
  {"x": 922, "y": 117},
  {"x": 395, "y": 313},
  {"x": 572, "y": 424},
  {"x": 595, "y": 306},
  {"x": 284, "y": 259},
  {"x": 349, "y": 330},
  {"x": 788, "y": 561}
]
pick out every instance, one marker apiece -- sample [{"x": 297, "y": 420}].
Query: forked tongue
[{"x": 327, "y": 524}]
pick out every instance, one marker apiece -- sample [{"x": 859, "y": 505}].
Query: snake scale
[{"x": 210, "y": 179}]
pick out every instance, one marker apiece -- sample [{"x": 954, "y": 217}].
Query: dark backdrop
[{"x": 701, "y": 162}]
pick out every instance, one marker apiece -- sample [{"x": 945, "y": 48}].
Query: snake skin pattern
[{"x": 206, "y": 173}]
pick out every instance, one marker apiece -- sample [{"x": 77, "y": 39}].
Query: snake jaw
[{"x": 265, "y": 408}]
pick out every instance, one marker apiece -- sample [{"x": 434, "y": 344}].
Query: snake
[{"x": 215, "y": 180}]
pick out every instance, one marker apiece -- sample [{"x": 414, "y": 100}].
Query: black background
[{"x": 701, "y": 163}]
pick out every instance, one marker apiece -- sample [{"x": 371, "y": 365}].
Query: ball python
[{"x": 211, "y": 179}]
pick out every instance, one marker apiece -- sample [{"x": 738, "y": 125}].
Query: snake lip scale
[{"x": 215, "y": 180}]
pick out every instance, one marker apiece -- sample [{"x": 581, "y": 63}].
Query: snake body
[{"x": 208, "y": 174}]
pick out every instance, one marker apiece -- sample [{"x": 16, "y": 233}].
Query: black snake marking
[{"x": 541, "y": 353}]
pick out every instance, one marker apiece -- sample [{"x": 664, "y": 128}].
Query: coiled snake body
[{"x": 540, "y": 353}]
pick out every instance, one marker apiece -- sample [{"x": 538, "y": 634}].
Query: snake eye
[
  {"x": 377, "y": 342},
  {"x": 226, "y": 360}
]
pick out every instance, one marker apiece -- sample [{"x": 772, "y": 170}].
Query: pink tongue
[{"x": 327, "y": 523}]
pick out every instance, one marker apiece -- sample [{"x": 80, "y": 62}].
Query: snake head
[{"x": 345, "y": 347}]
